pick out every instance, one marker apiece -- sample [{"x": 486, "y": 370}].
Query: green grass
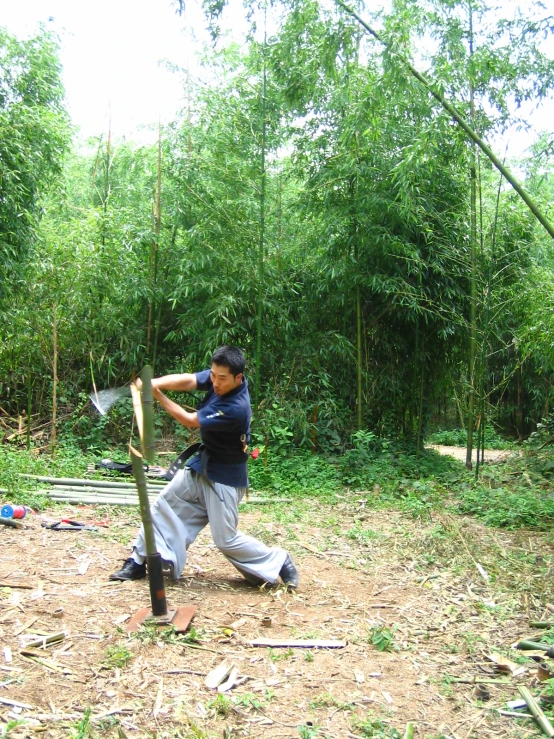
[
  {"x": 117, "y": 655},
  {"x": 384, "y": 475},
  {"x": 68, "y": 462}
]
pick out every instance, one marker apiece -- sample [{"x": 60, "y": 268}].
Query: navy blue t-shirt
[{"x": 223, "y": 420}]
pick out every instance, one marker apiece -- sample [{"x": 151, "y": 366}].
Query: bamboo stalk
[
  {"x": 54, "y": 378},
  {"x": 261, "y": 243},
  {"x": 84, "y": 489},
  {"x": 104, "y": 502},
  {"x": 137, "y": 407},
  {"x": 138, "y": 472},
  {"x": 80, "y": 482},
  {"x": 525, "y": 644},
  {"x": 147, "y": 399},
  {"x": 536, "y": 710},
  {"x": 129, "y": 499},
  {"x": 28, "y": 410},
  {"x": 456, "y": 115}
]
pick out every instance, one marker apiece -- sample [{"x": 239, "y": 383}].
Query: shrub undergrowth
[{"x": 517, "y": 493}]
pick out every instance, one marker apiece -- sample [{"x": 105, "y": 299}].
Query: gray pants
[{"x": 182, "y": 510}]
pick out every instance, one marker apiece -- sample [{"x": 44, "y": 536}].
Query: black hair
[{"x": 231, "y": 357}]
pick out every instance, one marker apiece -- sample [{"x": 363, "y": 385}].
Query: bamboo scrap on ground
[
  {"x": 299, "y": 643},
  {"x": 537, "y": 711}
]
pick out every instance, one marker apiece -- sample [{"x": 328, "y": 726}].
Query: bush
[
  {"x": 509, "y": 508},
  {"x": 458, "y": 437}
]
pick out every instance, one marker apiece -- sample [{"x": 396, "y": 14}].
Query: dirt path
[
  {"x": 491, "y": 455},
  {"x": 365, "y": 575}
]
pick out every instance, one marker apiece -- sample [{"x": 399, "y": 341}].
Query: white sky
[{"x": 111, "y": 49}]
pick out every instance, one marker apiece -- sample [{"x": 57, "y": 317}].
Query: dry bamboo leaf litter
[{"x": 337, "y": 589}]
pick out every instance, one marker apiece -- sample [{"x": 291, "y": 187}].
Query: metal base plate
[{"x": 179, "y": 618}]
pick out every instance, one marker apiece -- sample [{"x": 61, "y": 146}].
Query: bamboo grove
[{"x": 313, "y": 204}]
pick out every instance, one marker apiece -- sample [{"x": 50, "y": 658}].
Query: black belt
[{"x": 179, "y": 463}]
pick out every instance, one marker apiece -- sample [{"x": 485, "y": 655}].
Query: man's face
[{"x": 223, "y": 380}]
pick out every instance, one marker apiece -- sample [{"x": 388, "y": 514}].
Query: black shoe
[
  {"x": 288, "y": 573},
  {"x": 258, "y": 582},
  {"x": 130, "y": 571}
]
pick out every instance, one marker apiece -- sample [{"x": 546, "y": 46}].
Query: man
[{"x": 210, "y": 487}]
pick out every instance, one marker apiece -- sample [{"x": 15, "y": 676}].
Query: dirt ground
[
  {"x": 446, "y": 593},
  {"x": 491, "y": 455}
]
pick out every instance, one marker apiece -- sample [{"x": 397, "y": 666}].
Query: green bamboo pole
[
  {"x": 28, "y": 409},
  {"x": 527, "y": 644},
  {"x": 261, "y": 252},
  {"x": 148, "y": 440},
  {"x": 438, "y": 95},
  {"x": 359, "y": 391},
  {"x": 54, "y": 378},
  {"x": 536, "y": 710},
  {"x": 77, "y": 481},
  {"x": 473, "y": 267},
  {"x": 140, "y": 480}
]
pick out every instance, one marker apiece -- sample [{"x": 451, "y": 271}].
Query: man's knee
[{"x": 225, "y": 541}]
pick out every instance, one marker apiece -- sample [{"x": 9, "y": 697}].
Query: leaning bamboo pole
[{"x": 457, "y": 116}]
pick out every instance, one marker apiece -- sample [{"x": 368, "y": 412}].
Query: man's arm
[
  {"x": 185, "y": 382},
  {"x": 190, "y": 420}
]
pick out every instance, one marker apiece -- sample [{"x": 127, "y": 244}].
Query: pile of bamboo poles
[
  {"x": 103, "y": 492},
  {"x": 109, "y": 492}
]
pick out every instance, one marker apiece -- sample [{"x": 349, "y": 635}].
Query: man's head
[{"x": 227, "y": 369}]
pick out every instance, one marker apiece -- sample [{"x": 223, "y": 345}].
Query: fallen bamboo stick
[
  {"x": 128, "y": 499},
  {"x": 79, "y": 489},
  {"x": 299, "y": 643},
  {"x": 11, "y": 522},
  {"x": 537, "y": 711},
  {"x": 98, "y": 501},
  {"x": 475, "y": 680},
  {"x": 44, "y": 641},
  {"x": 533, "y": 645},
  {"x": 17, "y": 704},
  {"x": 80, "y": 482}
]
